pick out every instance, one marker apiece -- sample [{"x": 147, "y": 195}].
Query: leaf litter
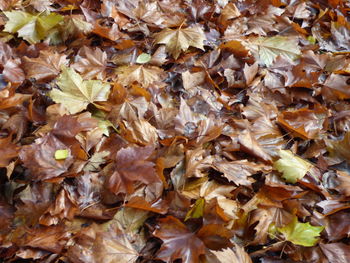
[{"x": 174, "y": 131}]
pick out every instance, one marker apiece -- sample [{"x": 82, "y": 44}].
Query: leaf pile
[{"x": 175, "y": 131}]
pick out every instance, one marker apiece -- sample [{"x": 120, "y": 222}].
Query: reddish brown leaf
[{"x": 178, "y": 242}]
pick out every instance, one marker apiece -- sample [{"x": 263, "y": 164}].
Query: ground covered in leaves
[{"x": 174, "y": 131}]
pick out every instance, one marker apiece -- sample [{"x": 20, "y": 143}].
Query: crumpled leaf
[
  {"x": 32, "y": 28},
  {"x": 76, "y": 94},
  {"x": 291, "y": 166},
  {"x": 179, "y": 40},
  {"x": 302, "y": 234}
]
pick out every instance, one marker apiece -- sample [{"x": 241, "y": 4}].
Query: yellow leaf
[
  {"x": 178, "y": 40},
  {"x": 75, "y": 93},
  {"x": 271, "y": 47},
  {"x": 61, "y": 154},
  {"x": 32, "y": 28},
  {"x": 292, "y": 166},
  {"x": 302, "y": 234}
]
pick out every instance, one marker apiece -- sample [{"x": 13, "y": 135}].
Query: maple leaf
[
  {"x": 76, "y": 94},
  {"x": 232, "y": 256},
  {"x": 178, "y": 40},
  {"x": 91, "y": 63},
  {"x": 145, "y": 75},
  {"x": 178, "y": 241},
  {"x": 302, "y": 234},
  {"x": 47, "y": 66},
  {"x": 32, "y": 28},
  {"x": 114, "y": 247},
  {"x": 291, "y": 166},
  {"x": 304, "y": 123},
  {"x": 132, "y": 166},
  {"x": 40, "y": 158},
  {"x": 271, "y": 47}
]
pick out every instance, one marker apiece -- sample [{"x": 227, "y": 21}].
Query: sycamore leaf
[
  {"x": 302, "y": 234},
  {"x": 46, "y": 66},
  {"x": 32, "y": 28},
  {"x": 75, "y": 93},
  {"x": 178, "y": 241},
  {"x": 61, "y": 154},
  {"x": 178, "y": 40},
  {"x": 143, "y": 74},
  {"x": 271, "y": 47},
  {"x": 292, "y": 166}
]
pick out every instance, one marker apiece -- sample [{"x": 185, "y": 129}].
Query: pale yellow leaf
[{"x": 178, "y": 40}]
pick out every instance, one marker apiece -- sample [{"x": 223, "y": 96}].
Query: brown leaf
[
  {"x": 304, "y": 123},
  {"x": 143, "y": 74},
  {"x": 13, "y": 72},
  {"x": 178, "y": 242},
  {"x": 132, "y": 166},
  {"x": 8, "y": 151},
  {"x": 91, "y": 63},
  {"x": 45, "y": 67},
  {"x": 251, "y": 146},
  {"x": 336, "y": 252}
]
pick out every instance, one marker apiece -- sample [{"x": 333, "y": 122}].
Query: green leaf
[
  {"x": 61, "y": 154},
  {"x": 291, "y": 166},
  {"x": 271, "y": 47},
  {"x": 197, "y": 209},
  {"x": 302, "y": 234},
  {"x": 76, "y": 94},
  {"x": 143, "y": 58},
  {"x": 32, "y": 28}
]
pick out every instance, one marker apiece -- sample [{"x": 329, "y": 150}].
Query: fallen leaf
[
  {"x": 179, "y": 40},
  {"x": 32, "y": 28},
  {"x": 178, "y": 241},
  {"x": 302, "y": 234},
  {"x": 271, "y": 47},
  {"x": 75, "y": 93},
  {"x": 291, "y": 166},
  {"x": 91, "y": 63}
]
